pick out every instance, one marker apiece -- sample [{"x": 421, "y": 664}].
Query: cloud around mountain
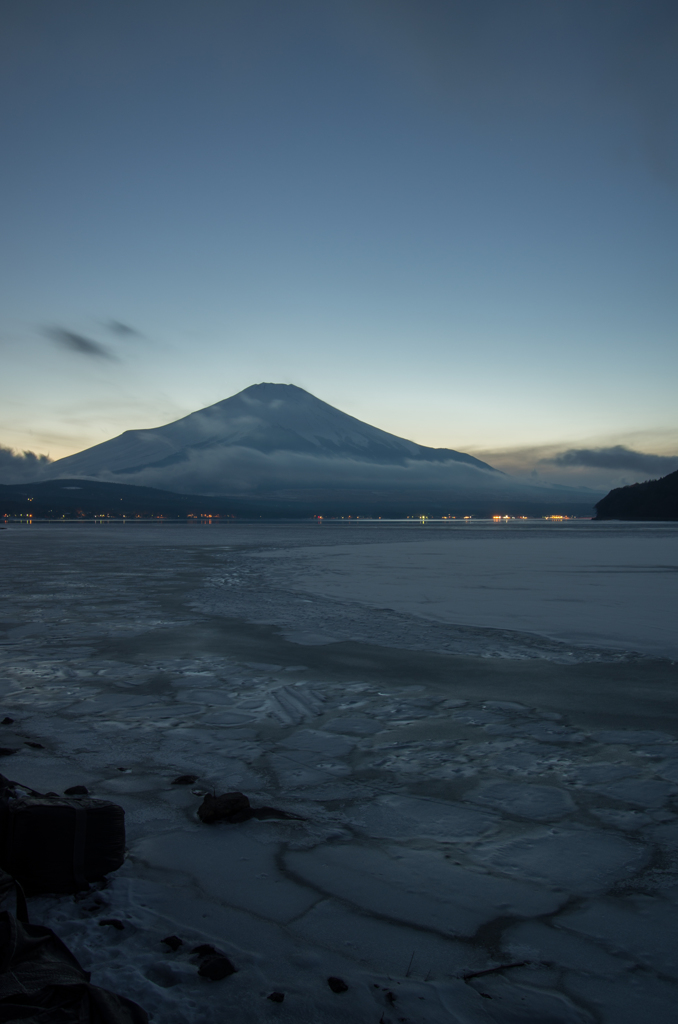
[
  {"x": 238, "y": 470},
  {"x": 617, "y": 457},
  {"x": 17, "y": 467}
]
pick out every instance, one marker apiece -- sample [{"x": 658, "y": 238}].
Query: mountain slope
[{"x": 264, "y": 418}]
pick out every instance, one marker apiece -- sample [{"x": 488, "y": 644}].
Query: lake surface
[{"x": 477, "y": 722}]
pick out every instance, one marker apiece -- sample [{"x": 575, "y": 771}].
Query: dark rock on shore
[
  {"x": 214, "y": 964},
  {"x": 235, "y": 807},
  {"x": 215, "y": 968}
]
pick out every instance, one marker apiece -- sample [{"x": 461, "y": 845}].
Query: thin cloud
[
  {"x": 79, "y": 343},
  {"x": 122, "y": 330},
  {"x": 618, "y": 457}
]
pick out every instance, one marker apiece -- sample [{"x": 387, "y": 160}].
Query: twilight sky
[{"x": 457, "y": 221}]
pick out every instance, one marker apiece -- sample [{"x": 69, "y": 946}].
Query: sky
[{"x": 456, "y": 221}]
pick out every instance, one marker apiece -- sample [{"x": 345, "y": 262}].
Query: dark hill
[
  {"x": 86, "y": 499},
  {"x": 54, "y": 499},
  {"x": 653, "y": 499}
]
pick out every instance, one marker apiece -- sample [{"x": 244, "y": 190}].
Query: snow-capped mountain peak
[{"x": 264, "y": 418}]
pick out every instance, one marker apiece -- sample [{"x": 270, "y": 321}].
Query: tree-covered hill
[{"x": 653, "y": 499}]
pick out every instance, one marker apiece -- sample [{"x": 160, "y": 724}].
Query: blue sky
[{"x": 456, "y": 221}]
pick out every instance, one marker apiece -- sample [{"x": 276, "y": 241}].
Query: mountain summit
[
  {"x": 264, "y": 418},
  {"x": 275, "y": 446}
]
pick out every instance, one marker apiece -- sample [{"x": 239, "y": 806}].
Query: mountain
[
  {"x": 651, "y": 500},
  {"x": 277, "y": 447},
  {"x": 264, "y": 418}
]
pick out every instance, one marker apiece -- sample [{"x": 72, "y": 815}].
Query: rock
[
  {"x": 173, "y": 941},
  {"x": 184, "y": 780},
  {"x": 7, "y": 751},
  {"x": 214, "y": 965},
  {"x": 36, "y": 746},
  {"x": 113, "y": 921},
  {"x": 233, "y": 807},
  {"x": 76, "y": 791},
  {"x": 337, "y": 984},
  {"x": 276, "y": 997},
  {"x": 205, "y": 949},
  {"x": 7, "y": 721}
]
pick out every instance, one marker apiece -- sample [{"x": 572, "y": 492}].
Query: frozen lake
[
  {"x": 478, "y": 724},
  {"x": 604, "y": 585}
]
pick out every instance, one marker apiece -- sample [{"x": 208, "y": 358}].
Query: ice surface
[
  {"x": 549, "y": 732},
  {"x": 460, "y": 814},
  {"x": 642, "y": 927},
  {"x": 388, "y": 948},
  {"x": 499, "y": 1000},
  {"x": 667, "y": 770},
  {"x": 629, "y": 821},
  {"x": 643, "y": 792},
  {"x": 354, "y": 726},
  {"x": 318, "y": 742},
  {"x": 541, "y": 803},
  {"x": 226, "y": 863},
  {"x": 604, "y": 771},
  {"x": 580, "y": 862},
  {"x": 641, "y": 997},
  {"x": 406, "y": 817},
  {"x": 536, "y": 942},
  {"x": 419, "y": 887},
  {"x": 583, "y": 588},
  {"x": 630, "y": 736}
]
